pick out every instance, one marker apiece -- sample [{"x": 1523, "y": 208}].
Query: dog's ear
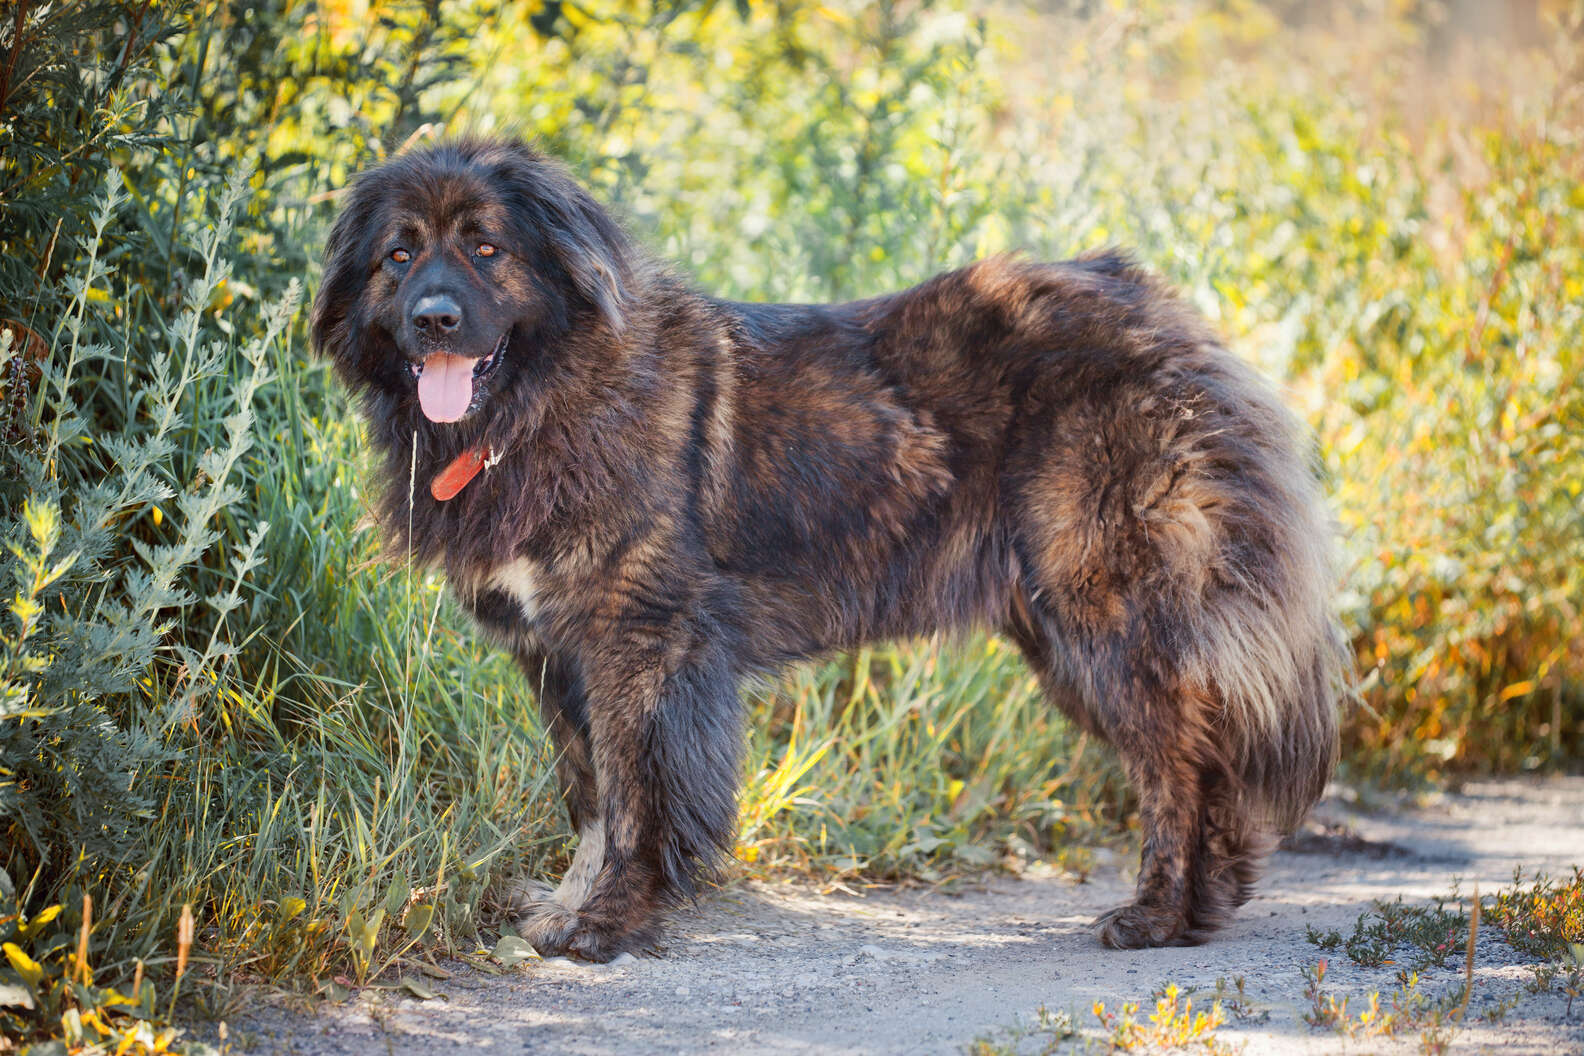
[
  {"x": 332, "y": 329},
  {"x": 594, "y": 253},
  {"x": 575, "y": 233}
]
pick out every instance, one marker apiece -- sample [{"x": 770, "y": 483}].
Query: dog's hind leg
[
  {"x": 1172, "y": 568},
  {"x": 1232, "y": 844},
  {"x": 1119, "y": 549},
  {"x": 1197, "y": 653},
  {"x": 1170, "y": 761}
]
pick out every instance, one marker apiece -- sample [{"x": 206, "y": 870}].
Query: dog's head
[{"x": 453, "y": 271}]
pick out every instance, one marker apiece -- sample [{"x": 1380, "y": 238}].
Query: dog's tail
[{"x": 1271, "y": 648}]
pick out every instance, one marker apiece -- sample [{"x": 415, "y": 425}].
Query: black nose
[{"x": 436, "y": 314}]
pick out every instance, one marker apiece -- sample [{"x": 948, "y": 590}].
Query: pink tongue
[{"x": 445, "y": 388}]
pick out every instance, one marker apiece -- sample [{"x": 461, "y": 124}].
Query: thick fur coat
[{"x": 682, "y": 492}]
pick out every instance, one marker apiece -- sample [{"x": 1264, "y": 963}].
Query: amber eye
[
  {"x": 485, "y": 250},
  {"x": 400, "y": 256}
]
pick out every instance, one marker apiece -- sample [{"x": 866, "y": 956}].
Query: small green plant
[
  {"x": 1433, "y": 936},
  {"x": 1325, "y": 1010},
  {"x": 1173, "y": 1026},
  {"x": 1406, "y": 1008},
  {"x": 1541, "y": 917},
  {"x": 1536, "y": 917},
  {"x": 47, "y": 985},
  {"x": 1497, "y": 1011},
  {"x": 1230, "y": 995},
  {"x": 1234, "y": 999},
  {"x": 1049, "y": 1029},
  {"x": 1329, "y": 940},
  {"x": 1565, "y": 974}
]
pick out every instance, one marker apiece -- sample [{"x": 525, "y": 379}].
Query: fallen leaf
[
  {"x": 14, "y": 997},
  {"x": 433, "y": 971},
  {"x": 512, "y": 950},
  {"x": 417, "y": 989}
]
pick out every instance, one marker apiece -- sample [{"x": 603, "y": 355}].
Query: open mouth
[{"x": 445, "y": 381}]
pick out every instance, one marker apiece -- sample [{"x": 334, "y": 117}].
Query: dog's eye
[
  {"x": 400, "y": 256},
  {"x": 485, "y": 250}
]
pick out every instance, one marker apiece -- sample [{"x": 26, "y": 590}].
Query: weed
[
  {"x": 1330, "y": 940},
  {"x": 1542, "y": 917},
  {"x": 51, "y": 981},
  {"x": 1325, "y": 1010},
  {"x": 1573, "y": 977},
  {"x": 1432, "y": 935},
  {"x": 1497, "y": 1011},
  {"x": 1172, "y": 1026},
  {"x": 1406, "y": 1008},
  {"x": 1545, "y": 918},
  {"x": 1235, "y": 1000},
  {"x": 1050, "y": 1028},
  {"x": 1566, "y": 975}
]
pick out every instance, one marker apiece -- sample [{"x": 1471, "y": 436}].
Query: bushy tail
[
  {"x": 1269, "y": 643},
  {"x": 1287, "y": 768}
]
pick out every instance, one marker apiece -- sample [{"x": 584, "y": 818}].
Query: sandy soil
[{"x": 783, "y": 968}]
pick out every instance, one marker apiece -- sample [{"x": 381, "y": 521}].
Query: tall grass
[{"x": 917, "y": 760}]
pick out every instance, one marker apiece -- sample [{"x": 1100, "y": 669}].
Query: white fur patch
[
  {"x": 589, "y": 858},
  {"x": 520, "y": 579}
]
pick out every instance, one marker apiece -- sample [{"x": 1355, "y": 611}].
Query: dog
[{"x": 649, "y": 495}]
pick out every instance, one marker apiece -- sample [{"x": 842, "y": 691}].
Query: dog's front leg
[{"x": 666, "y": 739}]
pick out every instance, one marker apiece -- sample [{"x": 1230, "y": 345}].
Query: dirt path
[{"x": 783, "y": 969}]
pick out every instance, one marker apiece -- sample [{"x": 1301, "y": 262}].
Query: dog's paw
[
  {"x": 554, "y": 931},
  {"x": 590, "y": 942},
  {"x": 1136, "y": 925},
  {"x": 522, "y": 897},
  {"x": 549, "y": 927}
]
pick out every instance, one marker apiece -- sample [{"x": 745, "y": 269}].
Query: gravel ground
[{"x": 784, "y": 968}]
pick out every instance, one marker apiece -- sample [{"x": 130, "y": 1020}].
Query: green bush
[
  {"x": 76, "y": 93},
  {"x": 96, "y": 598}
]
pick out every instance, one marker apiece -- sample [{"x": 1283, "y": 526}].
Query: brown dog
[{"x": 648, "y": 494}]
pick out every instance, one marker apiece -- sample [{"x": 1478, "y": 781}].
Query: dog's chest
[{"x": 508, "y": 600}]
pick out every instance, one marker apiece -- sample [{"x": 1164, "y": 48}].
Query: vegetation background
[{"x": 233, "y": 750}]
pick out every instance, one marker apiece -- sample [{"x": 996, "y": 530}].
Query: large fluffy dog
[{"x": 648, "y": 494}]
